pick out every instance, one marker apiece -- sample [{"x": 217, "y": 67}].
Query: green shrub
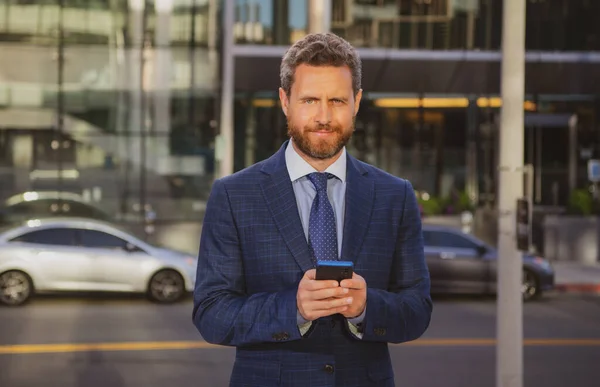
[{"x": 581, "y": 202}]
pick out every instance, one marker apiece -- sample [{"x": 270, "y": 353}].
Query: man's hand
[
  {"x": 357, "y": 290},
  {"x": 317, "y": 299}
]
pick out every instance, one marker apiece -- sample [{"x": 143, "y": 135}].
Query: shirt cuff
[
  {"x": 359, "y": 319},
  {"x": 355, "y": 324},
  {"x": 303, "y": 324}
]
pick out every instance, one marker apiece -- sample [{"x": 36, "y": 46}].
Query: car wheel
[
  {"x": 16, "y": 288},
  {"x": 530, "y": 287},
  {"x": 166, "y": 286}
]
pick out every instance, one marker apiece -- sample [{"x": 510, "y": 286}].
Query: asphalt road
[{"x": 83, "y": 342}]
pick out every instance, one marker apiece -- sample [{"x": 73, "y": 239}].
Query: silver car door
[
  {"x": 60, "y": 264},
  {"x": 117, "y": 265}
]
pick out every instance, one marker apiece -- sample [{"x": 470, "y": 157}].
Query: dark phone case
[{"x": 337, "y": 273}]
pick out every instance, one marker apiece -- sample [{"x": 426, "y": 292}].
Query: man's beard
[{"x": 320, "y": 149}]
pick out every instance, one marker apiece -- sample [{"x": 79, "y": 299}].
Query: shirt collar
[{"x": 298, "y": 167}]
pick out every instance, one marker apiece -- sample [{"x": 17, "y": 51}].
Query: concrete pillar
[
  {"x": 509, "y": 351},
  {"x": 134, "y": 77},
  {"x": 250, "y": 132},
  {"x": 162, "y": 69},
  {"x": 281, "y": 28},
  {"x": 472, "y": 181},
  {"x": 319, "y": 16},
  {"x": 573, "y": 153}
]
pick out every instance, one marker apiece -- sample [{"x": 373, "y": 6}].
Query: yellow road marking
[
  {"x": 182, "y": 345},
  {"x": 85, "y": 347},
  {"x": 490, "y": 342}
]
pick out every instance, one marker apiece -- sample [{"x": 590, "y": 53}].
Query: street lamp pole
[
  {"x": 509, "y": 355},
  {"x": 224, "y": 145}
]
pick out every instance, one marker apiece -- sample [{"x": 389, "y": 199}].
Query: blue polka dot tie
[{"x": 322, "y": 232}]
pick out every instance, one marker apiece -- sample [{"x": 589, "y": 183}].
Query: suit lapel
[
  {"x": 360, "y": 195},
  {"x": 281, "y": 201}
]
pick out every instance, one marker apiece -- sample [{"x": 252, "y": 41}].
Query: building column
[
  {"x": 319, "y": 16},
  {"x": 472, "y": 180},
  {"x": 162, "y": 71},
  {"x": 250, "y": 131},
  {"x": 281, "y": 27},
  {"x": 130, "y": 150},
  {"x": 136, "y": 39}
]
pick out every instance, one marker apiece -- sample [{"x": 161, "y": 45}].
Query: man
[{"x": 267, "y": 225}]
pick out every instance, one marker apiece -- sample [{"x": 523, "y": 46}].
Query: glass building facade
[
  {"x": 432, "y": 91},
  {"x": 119, "y": 101},
  {"x": 112, "y": 100}
]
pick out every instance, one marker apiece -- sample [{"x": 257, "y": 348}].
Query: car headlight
[{"x": 543, "y": 263}]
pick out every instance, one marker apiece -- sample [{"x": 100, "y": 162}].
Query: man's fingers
[
  {"x": 323, "y": 294},
  {"x": 330, "y": 304},
  {"x": 354, "y": 283},
  {"x": 310, "y": 274},
  {"x": 318, "y": 285},
  {"x": 329, "y": 312}
]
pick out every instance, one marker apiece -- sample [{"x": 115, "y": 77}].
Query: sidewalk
[{"x": 573, "y": 277}]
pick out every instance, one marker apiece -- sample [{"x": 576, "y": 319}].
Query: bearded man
[{"x": 266, "y": 226}]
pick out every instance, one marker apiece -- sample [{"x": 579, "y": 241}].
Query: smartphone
[{"x": 334, "y": 270}]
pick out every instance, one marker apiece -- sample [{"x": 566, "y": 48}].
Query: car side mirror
[
  {"x": 481, "y": 250},
  {"x": 130, "y": 248}
]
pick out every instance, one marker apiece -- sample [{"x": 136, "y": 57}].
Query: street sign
[{"x": 594, "y": 171}]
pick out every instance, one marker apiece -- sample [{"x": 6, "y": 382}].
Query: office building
[{"x": 119, "y": 100}]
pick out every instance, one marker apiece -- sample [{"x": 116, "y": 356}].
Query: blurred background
[
  {"x": 110, "y": 110},
  {"x": 118, "y": 102}
]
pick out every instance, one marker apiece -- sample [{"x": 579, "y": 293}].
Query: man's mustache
[{"x": 323, "y": 128}]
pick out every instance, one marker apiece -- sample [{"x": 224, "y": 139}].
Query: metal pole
[
  {"x": 224, "y": 146},
  {"x": 190, "y": 133},
  {"x": 509, "y": 356},
  {"x": 60, "y": 102},
  {"x": 143, "y": 119}
]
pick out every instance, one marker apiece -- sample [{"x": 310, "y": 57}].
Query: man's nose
[{"x": 324, "y": 114}]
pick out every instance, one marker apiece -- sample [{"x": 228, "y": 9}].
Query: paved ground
[{"x": 130, "y": 342}]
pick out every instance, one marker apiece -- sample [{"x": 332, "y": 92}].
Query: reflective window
[
  {"x": 552, "y": 25},
  {"x": 279, "y": 22},
  {"x": 115, "y": 103},
  {"x": 447, "y": 239},
  {"x": 98, "y": 239},
  {"x": 47, "y": 208},
  {"x": 53, "y": 236}
]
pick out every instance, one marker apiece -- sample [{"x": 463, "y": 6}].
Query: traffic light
[{"x": 523, "y": 225}]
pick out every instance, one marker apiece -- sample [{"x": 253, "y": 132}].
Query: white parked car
[{"x": 84, "y": 255}]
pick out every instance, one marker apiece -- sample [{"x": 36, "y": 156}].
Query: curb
[{"x": 582, "y": 288}]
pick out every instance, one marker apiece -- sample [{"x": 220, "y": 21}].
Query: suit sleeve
[
  {"x": 223, "y": 313},
  {"x": 402, "y": 312}
]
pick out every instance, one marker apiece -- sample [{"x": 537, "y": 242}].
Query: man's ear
[
  {"x": 285, "y": 102},
  {"x": 357, "y": 99}
]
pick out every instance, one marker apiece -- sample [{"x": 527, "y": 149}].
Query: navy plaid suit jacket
[{"x": 253, "y": 253}]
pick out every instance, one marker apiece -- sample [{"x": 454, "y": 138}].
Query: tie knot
[{"x": 319, "y": 180}]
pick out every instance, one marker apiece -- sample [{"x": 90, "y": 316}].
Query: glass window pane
[
  {"x": 55, "y": 236},
  {"x": 98, "y": 239},
  {"x": 448, "y": 239}
]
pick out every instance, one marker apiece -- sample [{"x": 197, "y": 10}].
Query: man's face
[{"x": 320, "y": 110}]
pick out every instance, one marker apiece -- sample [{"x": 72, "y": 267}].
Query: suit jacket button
[
  {"x": 379, "y": 331},
  {"x": 285, "y": 336},
  {"x": 329, "y": 368}
]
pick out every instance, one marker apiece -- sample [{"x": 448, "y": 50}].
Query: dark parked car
[
  {"x": 47, "y": 204},
  {"x": 460, "y": 263}
]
